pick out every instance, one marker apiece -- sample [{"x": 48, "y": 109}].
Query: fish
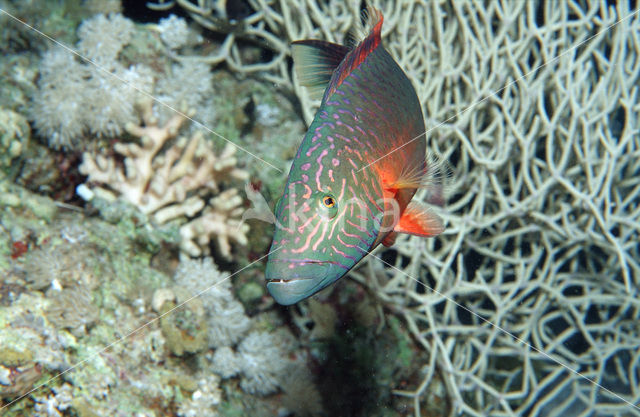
[{"x": 351, "y": 183}]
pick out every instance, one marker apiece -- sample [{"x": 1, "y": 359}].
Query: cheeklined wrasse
[{"x": 359, "y": 165}]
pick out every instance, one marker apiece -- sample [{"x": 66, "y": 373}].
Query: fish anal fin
[
  {"x": 418, "y": 220},
  {"x": 315, "y": 62}
]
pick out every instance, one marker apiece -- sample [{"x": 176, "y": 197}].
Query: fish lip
[{"x": 282, "y": 280}]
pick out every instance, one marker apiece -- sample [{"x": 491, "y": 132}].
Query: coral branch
[{"x": 170, "y": 178}]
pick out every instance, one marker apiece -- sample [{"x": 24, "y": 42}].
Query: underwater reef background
[{"x": 134, "y": 135}]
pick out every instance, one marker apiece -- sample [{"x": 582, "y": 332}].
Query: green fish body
[{"x": 359, "y": 165}]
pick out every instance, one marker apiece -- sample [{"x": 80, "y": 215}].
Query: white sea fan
[{"x": 103, "y": 36}]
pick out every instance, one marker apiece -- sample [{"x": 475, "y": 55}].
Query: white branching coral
[
  {"x": 167, "y": 176},
  {"x": 222, "y": 219}
]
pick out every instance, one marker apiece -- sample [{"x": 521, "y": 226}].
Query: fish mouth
[
  {"x": 299, "y": 278},
  {"x": 293, "y": 288},
  {"x": 284, "y": 281}
]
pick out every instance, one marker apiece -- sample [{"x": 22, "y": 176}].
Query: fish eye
[
  {"x": 329, "y": 201},
  {"x": 327, "y": 205}
]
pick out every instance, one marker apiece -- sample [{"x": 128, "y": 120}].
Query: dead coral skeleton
[
  {"x": 222, "y": 219},
  {"x": 169, "y": 177}
]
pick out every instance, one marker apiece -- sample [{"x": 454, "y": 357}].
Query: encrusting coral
[
  {"x": 14, "y": 137},
  {"x": 167, "y": 176}
]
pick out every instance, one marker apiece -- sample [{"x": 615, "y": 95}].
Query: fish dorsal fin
[
  {"x": 358, "y": 54},
  {"x": 315, "y": 62},
  {"x": 418, "y": 220}
]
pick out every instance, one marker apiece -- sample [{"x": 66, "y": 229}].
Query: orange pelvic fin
[
  {"x": 418, "y": 220},
  {"x": 389, "y": 239}
]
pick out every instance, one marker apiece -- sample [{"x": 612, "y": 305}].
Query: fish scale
[{"x": 347, "y": 176}]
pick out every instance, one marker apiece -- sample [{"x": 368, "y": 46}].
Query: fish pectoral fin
[
  {"x": 315, "y": 62},
  {"x": 418, "y": 220},
  {"x": 434, "y": 175}
]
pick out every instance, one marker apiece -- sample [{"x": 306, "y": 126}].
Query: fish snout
[{"x": 289, "y": 282}]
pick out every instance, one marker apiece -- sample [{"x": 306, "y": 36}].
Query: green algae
[{"x": 13, "y": 357}]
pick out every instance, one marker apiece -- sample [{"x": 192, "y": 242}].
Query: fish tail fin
[{"x": 417, "y": 219}]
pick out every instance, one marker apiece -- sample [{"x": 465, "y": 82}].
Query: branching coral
[
  {"x": 170, "y": 178},
  {"x": 222, "y": 219},
  {"x": 536, "y": 106}
]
